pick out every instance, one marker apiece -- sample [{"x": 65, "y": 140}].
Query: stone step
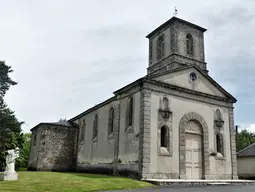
[
  {"x": 218, "y": 184},
  {"x": 170, "y": 182}
]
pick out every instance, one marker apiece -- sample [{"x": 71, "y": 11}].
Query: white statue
[
  {"x": 10, "y": 173},
  {"x": 10, "y": 159}
]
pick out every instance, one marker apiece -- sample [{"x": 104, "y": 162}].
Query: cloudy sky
[{"x": 69, "y": 55}]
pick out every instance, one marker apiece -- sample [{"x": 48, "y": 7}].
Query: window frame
[
  {"x": 111, "y": 120},
  {"x": 160, "y": 47},
  {"x": 166, "y": 148},
  {"x": 95, "y": 128},
  {"x": 130, "y": 115},
  {"x": 189, "y": 41}
]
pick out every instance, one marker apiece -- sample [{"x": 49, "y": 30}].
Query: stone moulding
[
  {"x": 182, "y": 154},
  {"x": 219, "y": 123},
  {"x": 165, "y": 114}
]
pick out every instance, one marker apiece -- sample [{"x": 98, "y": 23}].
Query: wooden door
[{"x": 193, "y": 156}]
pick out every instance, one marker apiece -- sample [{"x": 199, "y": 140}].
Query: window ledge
[
  {"x": 81, "y": 143},
  {"x": 94, "y": 139},
  {"x": 163, "y": 152},
  {"x": 129, "y": 129},
  {"x": 219, "y": 156},
  {"x": 110, "y": 136}
]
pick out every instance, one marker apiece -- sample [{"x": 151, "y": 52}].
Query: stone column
[
  {"x": 232, "y": 142},
  {"x": 144, "y": 136}
]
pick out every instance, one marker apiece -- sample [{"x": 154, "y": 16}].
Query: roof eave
[
  {"x": 123, "y": 89},
  {"x": 173, "y": 19}
]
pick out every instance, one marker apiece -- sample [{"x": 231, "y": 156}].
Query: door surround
[{"x": 193, "y": 116}]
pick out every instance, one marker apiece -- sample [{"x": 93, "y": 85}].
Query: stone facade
[
  {"x": 246, "y": 162},
  {"x": 174, "y": 32},
  {"x": 152, "y": 119},
  {"x": 53, "y": 148}
]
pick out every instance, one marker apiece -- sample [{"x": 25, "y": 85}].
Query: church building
[{"x": 176, "y": 122}]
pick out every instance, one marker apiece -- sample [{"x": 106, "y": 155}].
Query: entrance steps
[{"x": 176, "y": 182}]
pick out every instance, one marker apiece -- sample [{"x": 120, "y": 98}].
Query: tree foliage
[
  {"x": 244, "y": 139},
  {"x": 22, "y": 161},
  {"x": 10, "y": 127}
]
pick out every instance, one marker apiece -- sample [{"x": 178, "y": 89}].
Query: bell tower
[{"x": 174, "y": 44}]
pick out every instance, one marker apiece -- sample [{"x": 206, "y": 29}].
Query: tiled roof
[
  {"x": 62, "y": 123},
  {"x": 248, "y": 151}
]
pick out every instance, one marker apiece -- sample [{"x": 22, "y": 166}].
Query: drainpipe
[{"x": 237, "y": 141}]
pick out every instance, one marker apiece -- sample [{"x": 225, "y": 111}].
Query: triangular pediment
[{"x": 202, "y": 83}]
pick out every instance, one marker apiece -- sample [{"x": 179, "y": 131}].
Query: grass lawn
[{"x": 67, "y": 182}]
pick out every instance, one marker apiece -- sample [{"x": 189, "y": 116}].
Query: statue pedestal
[{"x": 8, "y": 176}]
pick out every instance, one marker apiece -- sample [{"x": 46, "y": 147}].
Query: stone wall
[
  {"x": 175, "y": 54},
  {"x": 246, "y": 167},
  {"x": 180, "y": 105},
  {"x": 34, "y": 147},
  {"x": 55, "y": 148}
]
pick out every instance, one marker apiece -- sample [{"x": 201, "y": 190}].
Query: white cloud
[
  {"x": 68, "y": 55},
  {"x": 250, "y": 127}
]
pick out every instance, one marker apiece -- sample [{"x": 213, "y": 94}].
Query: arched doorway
[{"x": 194, "y": 147}]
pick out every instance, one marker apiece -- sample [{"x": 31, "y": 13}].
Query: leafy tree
[
  {"x": 22, "y": 161},
  {"x": 10, "y": 127},
  {"x": 244, "y": 139},
  {"x": 62, "y": 120}
]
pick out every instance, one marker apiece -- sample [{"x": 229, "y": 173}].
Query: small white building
[{"x": 246, "y": 162}]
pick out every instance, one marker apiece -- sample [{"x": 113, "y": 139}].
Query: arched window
[
  {"x": 165, "y": 103},
  {"x": 164, "y": 137},
  {"x": 95, "y": 126},
  {"x": 111, "y": 121},
  {"x": 189, "y": 44},
  {"x": 219, "y": 143},
  {"x": 82, "y": 126},
  {"x": 34, "y": 138},
  {"x": 160, "y": 47},
  {"x": 130, "y": 111}
]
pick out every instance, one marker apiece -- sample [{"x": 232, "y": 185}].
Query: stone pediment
[{"x": 194, "y": 79}]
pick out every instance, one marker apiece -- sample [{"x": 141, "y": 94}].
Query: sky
[{"x": 69, "y": 55}]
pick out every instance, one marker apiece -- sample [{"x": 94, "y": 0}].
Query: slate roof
[
  {"x": 247, "y": 152},
  {"x": 149, "y": 78},
  {"x": 63, "y": 123},
  {"x": 171, "y": 21}
]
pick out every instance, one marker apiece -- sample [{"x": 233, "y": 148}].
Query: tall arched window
[
  {"x": 111, "y": 121},
  {"x": 189, "y": 44},
  {"x": 160, "y": 47},
  {"x": 34, "y": 138},
  {"x": 219, "y": 143},
  {"x": 82, "y": 131},
  {"x": 164, "y": 137},
  {"x": 95, "y": 126},
  {"x": 130, "y": 111}
]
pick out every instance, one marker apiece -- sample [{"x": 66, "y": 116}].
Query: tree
[
  {"x": 22, "y": 161},
  {"x": 10, "y": 127},
  {"x": 62, "y": 120},
  {"x": 244, "y": 139},
  {"x": 5, "y": 79}
]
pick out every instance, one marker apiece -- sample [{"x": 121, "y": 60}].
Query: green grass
[{"x": 67, "y": 182}]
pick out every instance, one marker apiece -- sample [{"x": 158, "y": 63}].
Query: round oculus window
[{"x": 193, "y": 76}]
